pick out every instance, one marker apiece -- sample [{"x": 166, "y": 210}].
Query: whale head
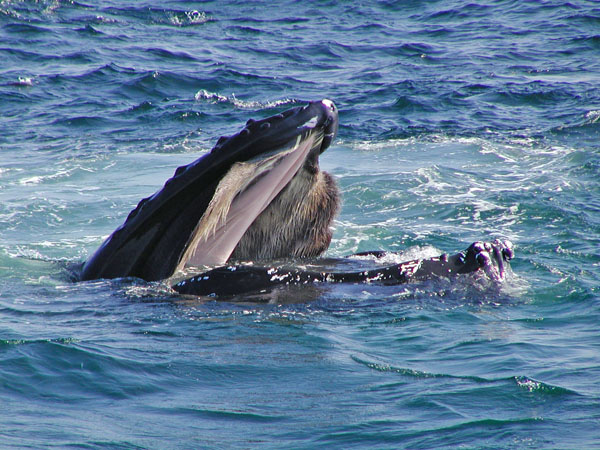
[{"x": 258, "y": 194}]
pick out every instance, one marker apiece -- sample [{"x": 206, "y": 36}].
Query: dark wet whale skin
[{"x": 491, "y": 258}]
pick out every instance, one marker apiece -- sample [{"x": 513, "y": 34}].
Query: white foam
[
  {"x": 24, "y": 81},
  {"x": 593, "y": 116},
  {"x": 194, "y": 17},
  {"x": 214, "y": 97}
]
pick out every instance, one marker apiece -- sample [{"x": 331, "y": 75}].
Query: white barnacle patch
[
  {"x": 376, "y": 278},
  {"x": 409, "y": 269},
  {"x": 327, "y": 103},
  {"x": 280, "y": 277}
]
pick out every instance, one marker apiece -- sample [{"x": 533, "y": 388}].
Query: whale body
[{"x": 258, "y": 196}]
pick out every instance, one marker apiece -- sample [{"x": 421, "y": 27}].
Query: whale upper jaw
[{"x": 202, "y": 212}]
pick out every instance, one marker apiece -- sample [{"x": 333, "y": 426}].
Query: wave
[
  {"x": 72, "y": 12},
  {"x": 170, "y": 54},
  {"x": 246, "y": 416},
  {"x": 26, "y": 28},
  {"x": 523, "y": 382},
  {"x": 462, "y": 433},
  {"x": 90, "y": 30},
  {"x": 92, "y": 122},
  {"x": 467, "y": 11},
  {"x": 161, "y": 16},
  {"x": 585, "y": 125},
  {"x": 535, "y": 93},
  {"x": 56, "y": 362}
]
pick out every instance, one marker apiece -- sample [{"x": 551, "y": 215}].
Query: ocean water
[{"x": 459, "y": 121}]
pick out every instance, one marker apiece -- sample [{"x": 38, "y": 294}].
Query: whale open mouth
[
  {"x": 241, "y": 195},
  {"x": 203, "y": 211}
]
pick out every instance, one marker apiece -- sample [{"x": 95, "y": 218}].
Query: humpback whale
[{"x": 258, "y": 196}]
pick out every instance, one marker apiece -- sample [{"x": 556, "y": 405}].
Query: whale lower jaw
[{"x": 240, "y": 197}]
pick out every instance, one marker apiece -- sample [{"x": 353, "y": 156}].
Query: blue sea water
[{"x": 459, "y": 121}]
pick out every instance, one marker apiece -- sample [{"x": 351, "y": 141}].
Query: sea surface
[{"x": 459, "y": 121}]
